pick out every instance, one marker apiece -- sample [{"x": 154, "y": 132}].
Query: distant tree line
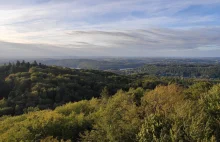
[{"x": 210, "y": 71}]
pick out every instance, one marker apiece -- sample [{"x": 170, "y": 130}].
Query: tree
[
  {"x": 105, "y": 93},
  {"x": 34, "y": 63},
  {"x": 118, "y": 121},
  {"x": 212, "y": 108},
  {"x": 18, "y": 63}
]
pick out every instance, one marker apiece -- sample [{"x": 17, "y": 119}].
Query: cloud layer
[{"x": 116, "y": 27}]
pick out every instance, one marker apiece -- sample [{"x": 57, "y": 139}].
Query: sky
[{"x": 150, "y": 28}]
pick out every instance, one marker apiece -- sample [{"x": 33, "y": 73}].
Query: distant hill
[
  {"x": 95, "y": 64},
  {"x": 210, "y": 71}
]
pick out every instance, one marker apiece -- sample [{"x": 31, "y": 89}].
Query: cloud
[
  {"x": 142, "y": 42},
  {"x": 158, "y": 39},
  {"x": 148, "y": 27}
]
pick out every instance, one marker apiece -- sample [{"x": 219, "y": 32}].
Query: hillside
[
  {"x": 26, "y": 85},
  {"x": 50, "y": 103},
  {"x": 167, "y": 113}
]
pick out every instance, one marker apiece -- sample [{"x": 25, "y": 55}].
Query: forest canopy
[
  {"x": 167, "y": 113},
  {"x": 50, "y": 103}
]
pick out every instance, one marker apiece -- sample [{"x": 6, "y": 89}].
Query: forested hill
[
  {"x": 51, "y": 104},
  {"x": 166, "y": 114},
  {"x": 178, "y": 70},
  {"x": 187, "y": 68},
  {"x": 97, "y": 64},
  {"x": 24, "y": 85}
]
